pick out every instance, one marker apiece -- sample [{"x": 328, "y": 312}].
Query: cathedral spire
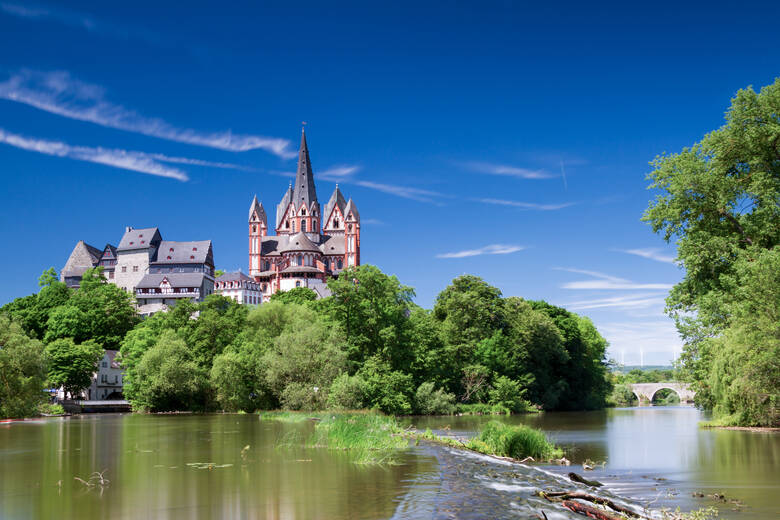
[{"x": 304, "y": 191}]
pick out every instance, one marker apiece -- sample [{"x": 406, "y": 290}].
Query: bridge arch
[{"x": 646, "y": 391}]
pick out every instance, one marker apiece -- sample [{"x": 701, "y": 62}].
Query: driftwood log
[
  {"x": 590, "y": 511},
  {"x": 571, "y": 495},
  {"x": 582, "y": 480}
]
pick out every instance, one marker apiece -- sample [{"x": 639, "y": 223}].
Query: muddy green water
[{"x": 654, "y": 456}]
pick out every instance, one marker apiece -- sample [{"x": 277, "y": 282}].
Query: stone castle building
[
  {"x": 158, "y": 272},
  {"x": 310, "y": 244}
]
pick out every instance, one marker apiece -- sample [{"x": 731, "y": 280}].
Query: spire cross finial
[{"x": 303, "y": 125}]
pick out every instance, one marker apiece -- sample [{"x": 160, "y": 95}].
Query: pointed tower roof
[
  {"x": 304, "y": 178},
  {"x": 282, "y": 206},
  {"x": 256, "y": 208},
  {"x": 351, "y": 208},
  {"x": 336, "y": 200}
]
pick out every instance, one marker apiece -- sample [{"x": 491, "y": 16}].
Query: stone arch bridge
[{"x": 646, "y": 391}]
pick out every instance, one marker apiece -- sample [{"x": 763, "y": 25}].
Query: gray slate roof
[
  {"x": 139, "y": 238},
  {"x": 336, "y": 200},
  {"x": 83, "y": 257},
  {"x": 273, "y": 245},
  {"x": 175, "y": 279},
  {"x": 332, "y": 245},
  {"x": 301, "y": 269},
  {"x": 281, "y": 208},
  {"x": 256, "y": 208},
  {"x": 300, "y": 242},
  {"x": 182, "y": 251},
  {"x": 235, "y": 277},
  {"x": 351, "y": 208},
  {"x": 304, "y": 178},
  {"x": 321, "y": 290}
]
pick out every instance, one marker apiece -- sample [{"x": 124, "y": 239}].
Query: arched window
[
  {"x": 335, "y": 222},
  {"x": 300, "y": 260},
  {"x": 267, "y": 266},
  {"x": 287, "y": 224},
  {"x": 341, "y": 263},
  {"x": 327, "y": 263},
  {"x": 297, "y": 283},
  {"x": 350, "y": 227},
  {"x": 303, "y": 225},
  {"x": 254, "y": 229},
  {"x": 314, "y": 224}
]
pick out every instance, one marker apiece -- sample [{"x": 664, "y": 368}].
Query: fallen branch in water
[
  {"x": 582, "y": 480},
  {"x": 569, "y": 495},
  {"x": 590, "y": 511}
]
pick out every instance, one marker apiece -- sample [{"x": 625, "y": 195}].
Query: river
[{"x": 198, "y": 466}]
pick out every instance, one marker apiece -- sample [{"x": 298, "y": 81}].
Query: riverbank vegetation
[
  {"x": 368, "y": 346},
  {"x": 373, "y": 438},
  {"x": 720, "y": 202}
]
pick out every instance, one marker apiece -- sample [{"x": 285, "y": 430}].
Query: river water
[{"x": 198, "y": 466}]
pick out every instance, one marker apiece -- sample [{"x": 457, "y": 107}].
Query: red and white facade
[{"x": 310, "y": 244}]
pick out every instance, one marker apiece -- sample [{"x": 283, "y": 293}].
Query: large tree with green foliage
[
  {"x": 22, "y": 371},
  {"x": 720, "y": 201},
  {"x": 71, "y": 365}
]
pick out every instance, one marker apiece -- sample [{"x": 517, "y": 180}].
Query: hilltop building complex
[
  {"x": 310, "y": 243},
  {"x": 158, "y": 272}
]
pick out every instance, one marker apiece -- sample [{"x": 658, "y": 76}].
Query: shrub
[
  {"x": 51, "y": 409},
  {"x": 428, "y": 401},
  {"x": 22, "y": 371},
  {"x": 347, "y": 393},
  {"x": 514, "y": 441},
  {"x": 507, "y": 396},
  {"x": 387, "y": 390}
]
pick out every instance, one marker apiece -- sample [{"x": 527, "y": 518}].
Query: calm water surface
[{"x": 653, "y": 455}]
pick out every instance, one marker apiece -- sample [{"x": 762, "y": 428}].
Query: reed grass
[
  {"x": 517, "y": 442},
  {"x": 369, "y": 438}
]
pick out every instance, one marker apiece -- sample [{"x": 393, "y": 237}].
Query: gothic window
[
  {"x": 335, "y": 222},
  {"x": 303, "y": 225},
  {"x": 267, "y": 266},
  {"x": 254, "y": 229},
  {"x": 327, "y": 264},
  {"x": 287, "y": 224},
  {"x": 350, "y": 228},
  {"x": 341, "y": 263},
  {"x": 300, "y": 260},
  {"x": 314, "y": 225},
  {"x": 303, "y": 211}
]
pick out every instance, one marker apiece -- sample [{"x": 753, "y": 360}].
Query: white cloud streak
[
  {"x": 123, "y": 159},
  {"x": 38, "y": 12},
  {"x": 58, "y": 93},
  {"x": 627, "y": 302},
  {"x": 493, "y": 249},
  {"x": 608, "y": 282},
  {"x": 338, "y": 173},
  {"x": 401, "y": 191},
  {"x": 651, "y": 254},
  {"x": 509, "y": 171},
  {"x": 526, "y": 205}
]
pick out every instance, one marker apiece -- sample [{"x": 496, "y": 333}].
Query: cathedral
[{"x": 310, "y": 243}]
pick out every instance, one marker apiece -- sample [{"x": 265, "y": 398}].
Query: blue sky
[{"x": 502, "y": 139}]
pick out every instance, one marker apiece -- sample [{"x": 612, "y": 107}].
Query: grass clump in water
[
  {"x": 369, "y": 438},
  {"x": 518, "y": 442},
  {"x": 290, "y": 417}
]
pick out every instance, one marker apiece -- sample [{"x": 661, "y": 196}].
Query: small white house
[
  {"x": 239, "y": 287},
  {"x": 107, "y": 381}
]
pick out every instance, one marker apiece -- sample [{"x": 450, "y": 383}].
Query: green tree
[
  {"x": 22, "y": 371},
  {"x": 372, "y": 309},
  {"x": 48, "y": 277},
  {"x": 303, "y": 360},
  {"x": 299, "y": 295},
  {"x": 720, "y": 201},
  {"x": 72, "y": 365},
  {"x": 168, "y": 379}
]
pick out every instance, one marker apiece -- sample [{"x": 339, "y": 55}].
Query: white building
[
  {"x": 240, "y": 288},
  {"x": 107, "y": 382}
]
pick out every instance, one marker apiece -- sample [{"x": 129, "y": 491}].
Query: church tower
[
  {"x": 258, "y": 228},
  {"x": 351, "y": 234}
]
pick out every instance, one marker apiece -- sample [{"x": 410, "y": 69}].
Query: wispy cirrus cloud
[
  {"x": 651, "y": 254},
  {"x": 607, "y": 282},
  {"x": 40, "y": 12},
  {"x": 405, "y": 192},
  {"x": 526, "y": 205},
  {"x": 123, "y": 159},
  {"x": 626, "y": 302},
  {"x": 58, "y": 93},
  {"x": 338, "y": 173},
  {"x": 492, "y": 249},
  {"x": 509, "y": 171}
]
